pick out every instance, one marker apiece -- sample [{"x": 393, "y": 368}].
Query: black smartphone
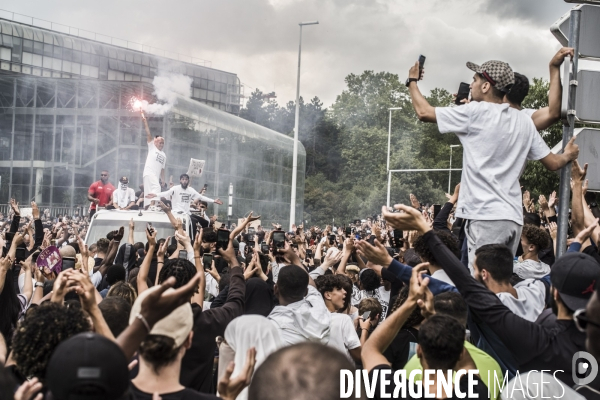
[
  {"x": 9, "y": 236},
  {"x": 183, "y": 254},
  {"x": 398, "y": 237},
  {"x": 279, "y": 239},
  {"x": 348, "y": 231},
  {"x": 68, "y": 263},
  {"x": 251, "y": 244},
  {"x": 21, "y": 254},
  {"x": 222, "y": 239},
  {"x": 264, "y": 248},
  {"x": 421, "y": 64},
  {"x": 205, "y": 186},
  {"x": 207, "y": 260},
  {"x": 34, "y": 257},
  {"x": 309, "y": 253},
  {"x": 436, "y": 210},
  {"x": 340, "y": 246},
  {"x": 463, "y": 93},
  {"x": 371, "y": 240},
  {"x": 149, "y": 227},
  {"x": 331, "y": 239}
]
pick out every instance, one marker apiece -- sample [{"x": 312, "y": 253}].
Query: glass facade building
[
  {"x": 58, "y": 133},
  {"x": 40, "y": 52}
]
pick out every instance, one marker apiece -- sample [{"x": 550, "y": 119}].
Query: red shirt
[{"x": 101, "y": 192}]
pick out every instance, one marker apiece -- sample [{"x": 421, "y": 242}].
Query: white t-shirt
[
  {"x": 212, "y": 286},
  {"x": 123, "y": 197},
  {"x": 182, "y": 198},
  {"x": 342, "y": 335},
  {"x": 155, "y": 162},
  {"x": 528, "y": 111},
  {"x": 382, "y": 295},
  {"x": 497, "y": 141},
  {"x": 441, "y": 275},
  {"x": 531, "y": 299}
]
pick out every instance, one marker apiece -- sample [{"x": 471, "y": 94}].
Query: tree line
[{"x": 346, "y": 147}]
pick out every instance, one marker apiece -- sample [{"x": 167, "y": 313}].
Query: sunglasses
[{"x": 582, "y": 321}]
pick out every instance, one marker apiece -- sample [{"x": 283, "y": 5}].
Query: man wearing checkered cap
[{"x": 497, "y": 141}]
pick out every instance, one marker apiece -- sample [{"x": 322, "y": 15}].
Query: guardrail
[{"x": 54, "y": 210}]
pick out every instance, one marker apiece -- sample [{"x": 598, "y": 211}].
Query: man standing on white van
[{"x": 154, "y": 170}]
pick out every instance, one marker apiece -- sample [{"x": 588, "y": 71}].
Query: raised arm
[
  {"x": 577, "y": 179},
  {"x": 198, "y": 298},
  {"x": 554, "y": 162},
  {"x": 425, "y": 112},
  {"x": 146, "y": 127},
  {"x": 14, "y": 225},
  {"x": 39, "y": 228},
  {"x": 131, "y": 230},
  {"x": 521, "y": 337},
  {"x": 239, "y": 229},
  {"x": 545, "y": 117},
  {"x": 382, "y": 337},
  {"x": 142, "y": 276}
]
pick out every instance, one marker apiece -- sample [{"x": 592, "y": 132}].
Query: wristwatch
[
  {"x": 409, "y": 80},
  {"x": 39, "y": 284}
]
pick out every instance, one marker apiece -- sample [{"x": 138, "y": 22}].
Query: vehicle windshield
[{"x": 100, "y": 228}]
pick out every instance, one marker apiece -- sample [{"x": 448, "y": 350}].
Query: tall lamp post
[
  {"x": 450, "y": 172},
  {"x": 296, "y": 121},
  {"x": 388, "y": 154}
]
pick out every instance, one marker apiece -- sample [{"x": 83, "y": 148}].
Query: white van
[{"x": 105, "y": 221}]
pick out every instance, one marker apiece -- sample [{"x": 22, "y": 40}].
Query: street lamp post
[
  {"x": 296, "y": 122},
  {"x": 450, "y": 172},
  {"x": 388, "y": 153}
]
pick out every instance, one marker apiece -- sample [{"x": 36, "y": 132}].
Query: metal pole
[
  {"x": 390, "y": 135},
  {"x": 565, "y": 172},
  {"x": 450, "y": 172},
  {"x": 389, "y": 187},
  {"x": 296, "y": 123},
  {"x": 389, "y": 139},
  {"x": 230, "y": 205}
]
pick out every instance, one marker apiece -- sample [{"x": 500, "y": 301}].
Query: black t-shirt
[
  {"x": 185, "y": 394},
  {"x": 480, "y": 389},
  {"x": 398, "y": 351}
]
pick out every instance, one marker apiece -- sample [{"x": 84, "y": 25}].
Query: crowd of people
[{"x": 474, "y": 284}]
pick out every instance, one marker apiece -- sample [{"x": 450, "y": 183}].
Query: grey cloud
[
  {"x": 540, "y": 12},
  {"x": 258, "y": 39}
]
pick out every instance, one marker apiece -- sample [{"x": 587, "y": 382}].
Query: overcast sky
[{"x": 258, "y": 39}]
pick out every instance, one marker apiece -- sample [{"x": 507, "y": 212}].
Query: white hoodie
[
  {"x": 529, "y": 269},
  {"x": 307, "y": 320},
  {"x": 530, "y": 302}
]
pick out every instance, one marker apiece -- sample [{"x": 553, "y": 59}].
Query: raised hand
[
  {"x": 577, "y": 173},
  {"x": 407, "y": 219},
  {"x": 228, "y": 388},
  {"x": 35, "y": 211},
  {"x": 15, "y": 206},
  {"x": 552, "y": 199},
  {"x": 585, "y": 234},
  {"x": 376, "y": 254},
  {"x": 542, "y": 202},
  {"x": 414, "y": 201}
]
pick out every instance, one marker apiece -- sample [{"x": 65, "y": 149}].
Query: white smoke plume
[{"x": 167, "y": 85}]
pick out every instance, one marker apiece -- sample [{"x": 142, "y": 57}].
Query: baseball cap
[
  {"x": 124, "y": 179},
  {"x": 574, "y": 275},
  {"x": 352, "y": 268},
  {"x": 177, "y": 325},
  {"x": 87, "y": 366},
  {"x": 498, "y": 73}
]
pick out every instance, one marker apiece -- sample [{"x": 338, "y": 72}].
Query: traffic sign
[
  {"x": 588, "y": 140},
  {"x": 589, "y": 36}
]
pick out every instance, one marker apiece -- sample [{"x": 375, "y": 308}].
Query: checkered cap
[{"x": 498, "y": 73}]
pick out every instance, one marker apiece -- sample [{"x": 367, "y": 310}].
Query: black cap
[
  {"x": 87, "y": 366},
  {"x": 124, "y": 179},
  {"x": 574, "y": 275}
]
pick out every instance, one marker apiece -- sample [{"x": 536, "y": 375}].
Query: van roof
[{"x": 126, "y": 215}]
